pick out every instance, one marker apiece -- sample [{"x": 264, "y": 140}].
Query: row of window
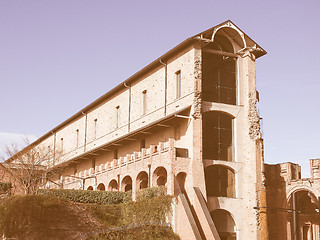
[{"x": 117, "y": 111}]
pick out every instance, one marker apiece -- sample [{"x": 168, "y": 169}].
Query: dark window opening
[
  {"x": 142, "y": 180},
  {"x": 126, "y": 184},
  {"x": 220, "y": 181},
  {"x": 182, "y": 152},
  {"x": 225, "y": 224},
  {"x": 113, "y": 185},
  {"x": 101, "y": 187},
  {"x": 160, "y": 177},
  {"x": 178, "y": 84},
  {"x": 218, "y": 78},
  {"x": 217, "y": 136}
]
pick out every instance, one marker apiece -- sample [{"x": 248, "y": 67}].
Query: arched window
[
  {"x": 101, "y": 187},
  {"x": 217, "y": 133},
  {"x": 220, "y": 181},
  {"x": 142, "y": 180},
  {"x": 160, "y": 176},
  {"x": 224, "y": 224},
  {"x": 126, "y": 184},
  {"x": 219, "y": 72},
  {"x": 181, "y": 180},
  {"x": 113, "y": 185}
]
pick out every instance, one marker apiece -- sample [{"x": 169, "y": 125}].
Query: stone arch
[
  {"x": 181, "y": 181},
  {"x": 224, "y": 223},
  {"x": 90, "y": 188},
  {"x": 113, "y": 185},
  {"x": 217, "y": 130},
  {"x": 101, "y": 187},
  {"x": 301, "y": 188},
  {"x": 305, "y": 207},
  {"x": 159, "y": 176},
  {"x": 142, "y": 180},
  {"x": 126, "y": 184},
  {"x": 220, "y": 181},
  {"x": 233, "y": 33}
]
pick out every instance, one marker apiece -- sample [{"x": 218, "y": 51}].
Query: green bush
[
  {"x": 110, "y": 215},
  {"x": 5, "y": 187},
  {"x": 153, "y": 210},
  {"x": 147, "y": 211},
  {"x": 147, "y": 232},
  {"x": 83, "y": 196},
  {"x": 150, "y": 192}
]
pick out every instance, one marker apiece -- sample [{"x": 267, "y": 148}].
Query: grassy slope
[{"x": 43, "y": 217}]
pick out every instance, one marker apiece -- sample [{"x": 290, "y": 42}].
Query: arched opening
[
  {"x": 113, "y": 185},
  {"x": 305, "y": 215},
  {"x": 224, "y": 224},
  {"x": 142, "y": 180},
  {"x": 101, "y": 187},
  {"x": 217, "y": 130},
  {"x": 181, "y": 180},
  {"x": 220, "y": 181},
  {"x": 90, "y": 188},
  {"x": 160, "y": 176},
  {"x": 221, "y": 43},
  {"x": 219, "y": 72},
  {"x": 126, "y": 184}
]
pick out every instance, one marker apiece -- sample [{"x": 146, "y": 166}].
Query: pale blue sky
[{"x": 58, "y": 56}]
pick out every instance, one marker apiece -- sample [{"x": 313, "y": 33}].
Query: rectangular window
[
  {"x": 144, "y": 102},
  {"x": 95, "y": 129},
  {"x": 117, "y": 116},
  {"x": 61, "y": 144},
  {"x": 77, "y": 137},
  {"x": 49, "y": 152},
  {"x": 178, "y": 84}
]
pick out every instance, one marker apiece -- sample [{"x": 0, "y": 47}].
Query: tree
[{"x": 31, "y": 167}]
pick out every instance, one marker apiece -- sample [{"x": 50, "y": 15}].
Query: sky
[{"x": 58, "y": 56}]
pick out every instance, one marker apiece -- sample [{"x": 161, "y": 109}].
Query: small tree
[{"x": 31, "y": 165}]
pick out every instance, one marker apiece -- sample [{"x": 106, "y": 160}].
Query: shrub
[
  {"x": 5, "y": 187},
  {"x": 83, "y": 196},
  {"x": 147, "y": 232},
  {"x": 147, "y": 211},
  {"x": 110, "y": 215},
  {"x": 150, "y": 192},
  {"x": 154, "y": 210}
]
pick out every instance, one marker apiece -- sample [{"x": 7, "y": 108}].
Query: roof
[{"x": 156, "y": 63}]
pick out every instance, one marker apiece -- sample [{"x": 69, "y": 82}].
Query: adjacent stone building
[
  {"x": 293, "y": 202},
  {"x": 187, "y": 121}
]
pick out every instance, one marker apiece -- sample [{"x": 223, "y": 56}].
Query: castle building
[
  {"x": 187, "y": 121},
  {"x": 293, "y": 202}
]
